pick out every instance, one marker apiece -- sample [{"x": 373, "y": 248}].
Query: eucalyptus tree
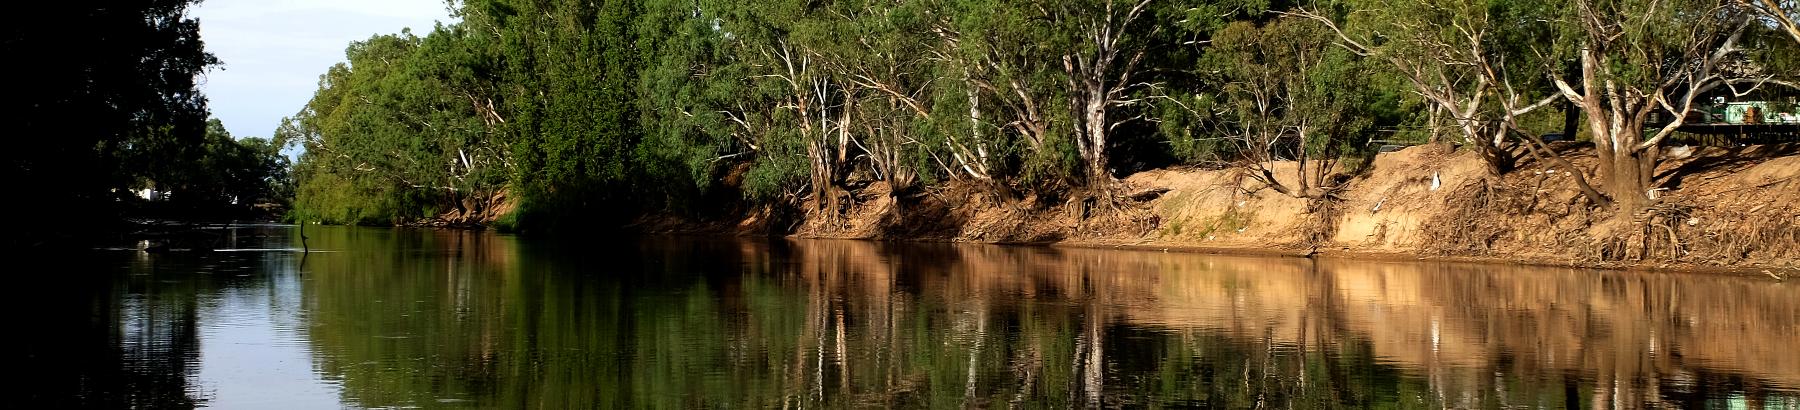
[
  {"x": 1286, "y": 92},
  {"x": 887, "y": 61},
  {"x": 686, "y": 80},
  {"x": 1636, "y": 59},
  {"x": 569, "y": 76},
  {"x": 1014, "y": 91},
  {"x": 1104, "y": 69},
  {"x": 1069, "y": 79},
  {"x": 105, "y": 95},
  {"x": 227, "y": 170},
  {"x": 406, "y": 128},
  {"x": 790, "y": 109},
  {"x": 465, "y": 95},
  {"x": 1781, "y": 13},
  {"x": 1471, "y": 60},
  {"x": 360, "y": 127}
]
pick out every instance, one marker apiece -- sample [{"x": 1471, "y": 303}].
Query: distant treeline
[{"x": 588, "y": 110}]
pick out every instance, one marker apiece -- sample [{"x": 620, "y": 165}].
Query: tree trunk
[
  {"x": 1431, "y": 124},
  {"x": 1498, "y": 161},
  {"x": 1571, "y": 121},
  {"x": 824, "y": 177},
  {"x": 1774, "y": 10},
  {"x": 1094, "y": 115},
  {"x": 1627, "y": 179},
  {"x": 1625, "y": 172}
]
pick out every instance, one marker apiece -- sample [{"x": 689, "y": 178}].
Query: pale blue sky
[{"x": 274, "y": 50}]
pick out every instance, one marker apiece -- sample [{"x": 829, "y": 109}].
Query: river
[{"x": 399, "y": 318}]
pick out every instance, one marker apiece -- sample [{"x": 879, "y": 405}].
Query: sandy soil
[{"x": 1723, "y": 208}]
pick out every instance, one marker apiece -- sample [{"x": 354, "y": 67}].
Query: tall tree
[
  {"x": 1470, "y": 60},
  {"x": 1104, "y": 69},
  {"x": 94, "y": 108},
  {"x": 1014, "y": 94},
  {"x": 790, "y": 114},
  {"x": 1287, "y": 93},
  {"x": 1636, "y": 59},
  {"x": 398, "y": 133},
  {"x": 228, "y": 170},
  {"x": 570, "y": 72},
  {"x": 685, "y": 83}
]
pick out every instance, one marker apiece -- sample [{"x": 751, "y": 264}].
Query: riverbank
[{"x": 1723, "y": 210}]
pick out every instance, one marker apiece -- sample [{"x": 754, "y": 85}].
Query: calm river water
[{"x": 415, "y": 318}]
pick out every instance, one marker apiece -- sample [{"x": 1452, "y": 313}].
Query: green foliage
[
  {"x": 398, "y": 129},
  {"x": 1288, "y": 92},
  {"x": 601, "y": 110},
  {"x": 680, "y": 94},
  {"x": 1056, "y": 162},
  {"x": 228, "y": 170},
  {"x": 635, "y": 104},
  {"x": 776, "y": 173},
  {"x": 1184, "y": 124},
  {"x": 508, "y": 223}
]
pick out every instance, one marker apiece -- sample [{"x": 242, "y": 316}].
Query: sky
[{"x": 275, "y": 50}]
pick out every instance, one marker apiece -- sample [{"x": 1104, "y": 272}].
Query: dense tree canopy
[
  {"x": 103, "y": 102},
  {"x": 1286, "y": 93},
  {"x": 228, "y": 170},
  {"x": 599, "y": 110}
]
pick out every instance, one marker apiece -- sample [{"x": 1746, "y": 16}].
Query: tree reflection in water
[
  {"x": 117, "y": 329},
  {"x": 402, "y": 318},
  {"x": 683, "y": 323}
]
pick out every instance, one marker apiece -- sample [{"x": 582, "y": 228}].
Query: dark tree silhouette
[{"x": 102, "y": 94}]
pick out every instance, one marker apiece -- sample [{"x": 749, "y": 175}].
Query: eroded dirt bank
[{"x": 1736, "y": 208}]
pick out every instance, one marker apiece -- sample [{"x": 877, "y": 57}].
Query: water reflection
[
  {"x": 713, "y": 323},
  {"x": 453, "y": 319},
  {"x": 100, "y": 351},
  {"x": 118, "y": 329}
]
